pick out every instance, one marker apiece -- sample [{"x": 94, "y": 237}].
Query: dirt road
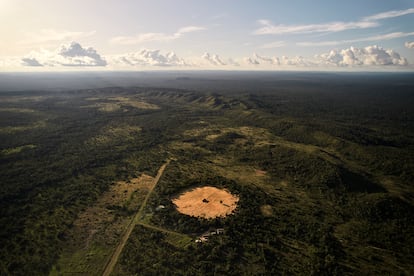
[{"x": 114, "y": 258}]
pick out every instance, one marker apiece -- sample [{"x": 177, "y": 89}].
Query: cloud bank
[
  {"x": 257, "y": 59},
  {"x": 75, "y": 55},
  {"x": 370, "y": 56},
  {"x": 30, "y": 62},
  {"x": 72, "y": 54},
  {"x": 275, "y": 62},
  {"x": 147, "y": 57},
  {"x": 350, "y": 57},
  {"x": 213, "y": 61}
]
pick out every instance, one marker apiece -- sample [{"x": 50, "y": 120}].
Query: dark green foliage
[
  {"x": 44, "y": 188},
  {"x": 344, "y": 150}
]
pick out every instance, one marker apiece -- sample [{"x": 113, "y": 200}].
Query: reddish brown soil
[{"x": 206, "y": 202}]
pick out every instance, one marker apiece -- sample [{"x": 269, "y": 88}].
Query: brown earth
[
  {"x": 206, "y": 202},
  {"x": 260, "y": 173},
  {"x": 266, "y": 210}
]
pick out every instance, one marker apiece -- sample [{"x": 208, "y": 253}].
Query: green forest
[{"x": 323, "y": 171}]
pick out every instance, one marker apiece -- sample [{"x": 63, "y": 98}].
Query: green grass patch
[{"x": 16, "y": 150}]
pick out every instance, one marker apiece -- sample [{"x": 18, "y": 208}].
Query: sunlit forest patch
[
  {"x": 17, "y": 149},
  {"x": 115, "y": 134}
]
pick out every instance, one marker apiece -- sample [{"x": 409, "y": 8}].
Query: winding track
[{"x": 114, "y": 258}]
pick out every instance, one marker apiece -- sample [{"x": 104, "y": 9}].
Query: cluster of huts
[{"x": 208, "y": 234}]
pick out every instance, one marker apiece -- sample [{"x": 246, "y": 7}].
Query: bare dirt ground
[
  {"x": 206, "y": 202},
  {"x": 260, "y": 173}
]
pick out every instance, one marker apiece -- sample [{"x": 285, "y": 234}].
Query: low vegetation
[{"x": 322, "y": 173}]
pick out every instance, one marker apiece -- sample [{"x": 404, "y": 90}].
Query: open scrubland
[{"x": 317, "y": 171}]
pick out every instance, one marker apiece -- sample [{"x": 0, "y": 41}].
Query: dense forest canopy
[{"x": 322, "y": 164}]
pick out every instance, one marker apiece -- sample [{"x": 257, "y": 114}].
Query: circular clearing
[{"x": 206, "y": 202}]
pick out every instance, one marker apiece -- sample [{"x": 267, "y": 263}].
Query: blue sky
[{"x": 265, "y": 35}]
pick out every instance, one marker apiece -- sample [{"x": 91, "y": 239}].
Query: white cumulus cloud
[
  {"x": 368, "y": 56},
  {"x": 251, "y": 61},
  {"x": 72, "y": 54},
  {"x": 147, "y": 57},
  {"x": 349, "y": 57},
  {"x": 409, "y": 45},
  {"x": 213, "y": 59},
  {"x": 275, "y": 62},
  {"x": 257, "y": 59},
  {"x": 296, "y": 61},
  {"x": 75, "y": 55},
  {"x": 30, "y": 62}
]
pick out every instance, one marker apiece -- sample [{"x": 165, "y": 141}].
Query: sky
[{"x": 79, "y": 35}]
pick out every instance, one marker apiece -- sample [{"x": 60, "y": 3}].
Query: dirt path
[
  {"x": 114, "y": 258},
  {"x": 163, "y": 230}
]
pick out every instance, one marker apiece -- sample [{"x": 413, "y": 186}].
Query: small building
[
  {"x": 203, "y": 239},
  {"x": 160, "y": 207}
]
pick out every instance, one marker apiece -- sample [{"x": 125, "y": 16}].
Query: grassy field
[
  {"x": 323, "y": 173},
  {"x": 97, "y": 230}
]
